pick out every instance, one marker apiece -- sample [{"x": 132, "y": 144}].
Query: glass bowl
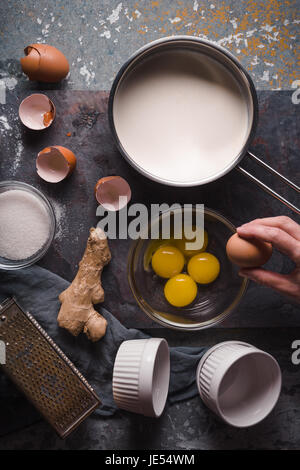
[
  {"x": 214, "y": 302},
  {"x": 23, "y": 263}
]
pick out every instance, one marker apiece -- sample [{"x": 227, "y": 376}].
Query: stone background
[{"x": 98, "y": 36}]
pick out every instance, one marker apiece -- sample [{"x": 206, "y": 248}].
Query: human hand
[{"x": 284, "y": 234}]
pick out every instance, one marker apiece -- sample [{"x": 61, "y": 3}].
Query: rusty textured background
[{"x": 97, "y": 36}]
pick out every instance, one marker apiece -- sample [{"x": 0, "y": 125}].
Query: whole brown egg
[
  {"x": 44, "y": 63},
  {"x": 248, "y": 253}
]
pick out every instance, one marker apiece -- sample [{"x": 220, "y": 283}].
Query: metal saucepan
[{"x": 227, "y": 60}]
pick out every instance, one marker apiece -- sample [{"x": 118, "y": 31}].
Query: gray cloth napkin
[{"x": 37, "y": 290}]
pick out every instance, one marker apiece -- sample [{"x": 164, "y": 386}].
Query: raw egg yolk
[
  {"x": 204, "y": 268},
  {"x": 167, "y": 261},
  {"x": 180, "y": 290},
  {"x": 181, "y": 244}
]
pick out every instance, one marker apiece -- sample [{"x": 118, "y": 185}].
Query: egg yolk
[
  {"x": 181, "y": 244},
  {"x": 204, "y": 268},
  {"x": 167, "y": 261},
  {"x": 180, "y": 290}
]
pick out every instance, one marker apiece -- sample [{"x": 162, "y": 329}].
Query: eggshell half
[
  {"x": 37, "y": 112},
  {"x": 109, "y": 189},
  {"x": 248, "y": 253},
  {"x": 44, "y": 63},
  {"x": 55, "y": 163}
]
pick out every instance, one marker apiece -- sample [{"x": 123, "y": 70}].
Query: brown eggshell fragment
[
  {"x": 110, "y": 189},
  {"x": 31, "y": 63},
  {"x": 44, "y": 63},
  {"x": 55, "y": 163},
  {"x": 37, "y": 111},
  {"x": 248, "y": 253}
]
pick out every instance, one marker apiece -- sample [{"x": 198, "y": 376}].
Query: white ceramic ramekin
[
  {"x": 239, "y": 382},
  {"x": 141, "y": 376}
]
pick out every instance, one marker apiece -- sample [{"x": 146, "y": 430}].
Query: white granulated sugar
[
  {"x": 18, "y": 156},
  {"x": 24, "y": 224}
]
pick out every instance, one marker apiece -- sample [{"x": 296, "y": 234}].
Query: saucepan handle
[{"x": 267, "y": 188}]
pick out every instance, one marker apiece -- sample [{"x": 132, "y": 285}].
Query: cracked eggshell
[
  {"x": 55, "y": 163},
  {"x": 44, "y": 63},
  {"x": 37, "y": 112},
  {"x": 109, "y": 189}
]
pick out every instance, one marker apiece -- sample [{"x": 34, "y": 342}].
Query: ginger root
[{"x": 77, "y": 313}]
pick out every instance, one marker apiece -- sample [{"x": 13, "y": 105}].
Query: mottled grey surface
[
  {"x": 187, "y": 425},
  {"x": 97, "y": 37},
  {"x": 84, "y": 114}
]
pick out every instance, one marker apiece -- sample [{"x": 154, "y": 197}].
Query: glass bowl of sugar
[{"x": 27, "y": 225}]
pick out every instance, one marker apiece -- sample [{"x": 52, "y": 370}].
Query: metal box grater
[{"x": 42, "y": 371}]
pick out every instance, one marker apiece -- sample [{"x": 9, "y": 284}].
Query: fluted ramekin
[
  {"x": 141, "y": 376},
  {"x": 239, "y": 382}
]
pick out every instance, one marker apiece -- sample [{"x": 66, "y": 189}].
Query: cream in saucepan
[{"x": 181, "y": 116}]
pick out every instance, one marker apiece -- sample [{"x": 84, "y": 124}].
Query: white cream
[{"x": 181, "y": 116}]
